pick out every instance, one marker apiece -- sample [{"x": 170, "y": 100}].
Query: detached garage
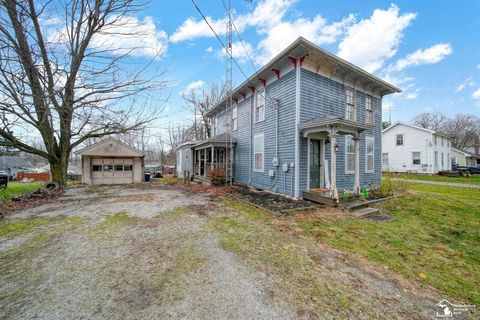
[{"x": 111, "y": 162}]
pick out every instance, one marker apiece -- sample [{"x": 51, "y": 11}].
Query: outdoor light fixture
[{"x": 337, "y": 148}]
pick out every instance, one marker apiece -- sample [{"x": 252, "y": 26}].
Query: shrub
[{"x": 217, "y": 176}]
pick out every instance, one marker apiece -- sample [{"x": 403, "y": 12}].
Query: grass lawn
[
  {"x": 434, "y": 237},
  {"x": 474, "y": 179},
  {"x": 15, "y": 188}
]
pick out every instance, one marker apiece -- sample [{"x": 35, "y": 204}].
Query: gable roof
[
  {"x": 466, "y": 153},
  {"x": 415, "y": 127},
  {"x": 300, "y": 48},
  {"x": 95, "y": 149}
]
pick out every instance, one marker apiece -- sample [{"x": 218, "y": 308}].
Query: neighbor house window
[
  {"x": 127, "y": 167},
  {"x": 416, "y": 157},
  {"x": 215, "y": 124},
  {"x": 119, "y": 167},
  {"x": 442, "y": 159},
  {"x": 258, "y": 147},
  {"x": 368, "y": 110},
  {"x": 349, "y": 154},
  {"x": 436, "y": 159},
  {"x": 369, "y": 148},
  {"x": 96, "y": 168},
  {"x": 441, "y": 141},
  {"x": 108, "y": 167},
  {"x": 260, "y": 105},
  {"x": 435, "y": 140},
  {"x": 350, "y": 113},
  {"x": 385, "y": 159},
  {"x": 234, "y": 118},
  {"x": 399, "y": 138}
]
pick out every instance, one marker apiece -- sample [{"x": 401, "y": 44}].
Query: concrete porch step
[
  {"x": 364, "y": 212},
  {"x": 354, "y": 205}
]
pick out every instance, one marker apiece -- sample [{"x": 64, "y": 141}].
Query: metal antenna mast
[{"x": 228, "y": 103}]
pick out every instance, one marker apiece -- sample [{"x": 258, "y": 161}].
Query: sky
[{"x": 429, "y": 49}]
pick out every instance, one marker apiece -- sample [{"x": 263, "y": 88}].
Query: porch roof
[
  {"x": 325, "y": 124},
  {"x": 218, "y": 141}
]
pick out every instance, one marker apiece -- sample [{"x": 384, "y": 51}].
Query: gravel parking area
[{"x": 153, "y": 253}]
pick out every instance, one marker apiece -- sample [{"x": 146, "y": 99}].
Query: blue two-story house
[{"x": 306, "y": 125}]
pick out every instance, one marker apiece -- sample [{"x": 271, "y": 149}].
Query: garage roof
[{"x": 110, "y": 147}]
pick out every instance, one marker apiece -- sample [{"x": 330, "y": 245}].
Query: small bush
[{"x": 217, "y": 176}]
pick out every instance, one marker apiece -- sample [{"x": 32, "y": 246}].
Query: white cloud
[
  {"x": 371, "y": 41},
  {"x": 430, "y": 55},
  {"x": 467, "y": 83},
  {"x": 284, "y": 33},
  {"x": 193, "y": 86},
  {"x": 209, "y": 49},
  {"x": 411, "y": 96},
  {"x": 476, "y": 94},
  {"x": 193, "y": 28},
  {"x": 126, "y": 34}
]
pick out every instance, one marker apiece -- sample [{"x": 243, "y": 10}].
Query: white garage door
[{"x": 112, "y": 171}]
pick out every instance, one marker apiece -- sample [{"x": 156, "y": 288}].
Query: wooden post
[
  {"x": 356, "y": 186},
  {"x": 333, "y": 167},
  {"x": 211, "y": 159}
]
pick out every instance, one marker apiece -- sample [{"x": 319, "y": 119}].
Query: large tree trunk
[{"x": 58, "y": 169}]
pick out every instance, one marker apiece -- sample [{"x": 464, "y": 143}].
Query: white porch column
[
  {"x": 333, "y": 166},
  {"x": 356, "y": 184},
  {"x": 211, "y": 159}
]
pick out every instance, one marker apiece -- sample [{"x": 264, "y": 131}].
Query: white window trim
[
  {"x": 263, "y": 152},
  {"x": 419, "y": 156},
  {"x": 346, "y": 155},
  {"x": 354, "y": 106},
  {"x": 235, "y": 108},
  {"x": 263, "y": 97},
  {"x": 383, "y": 163},
  {"x": 367, "y": 96},
  {"x": 366, "y": 155},
  {"x": 403, "y": 140}
]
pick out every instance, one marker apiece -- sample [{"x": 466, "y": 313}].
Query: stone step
[
  {"x": 355, "y": 204},
  {"x": 364, "y": 212}
]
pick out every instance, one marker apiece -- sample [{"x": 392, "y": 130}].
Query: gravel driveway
[{"x": 133, "y": 253}]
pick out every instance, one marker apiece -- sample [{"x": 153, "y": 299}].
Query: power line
[{"x": 223, "y": 45}]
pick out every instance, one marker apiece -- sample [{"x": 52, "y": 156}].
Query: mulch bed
[{"x": 272, "y": 202}]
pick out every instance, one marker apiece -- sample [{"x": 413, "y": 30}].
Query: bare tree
[
  {"x": 463, "y": 129},
  {"x": 430, "y": 120},
  {"x": 199, "y": 102},
  {"x": 64, "y": 86}
]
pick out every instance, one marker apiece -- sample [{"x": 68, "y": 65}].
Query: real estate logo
[{"x": 445, "y": 309}]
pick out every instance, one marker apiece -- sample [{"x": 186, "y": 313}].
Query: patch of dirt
[
  {"x": 27, "y": 201},
  {"x": 272, "y": 201}
]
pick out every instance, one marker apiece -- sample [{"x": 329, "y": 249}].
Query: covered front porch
[
  {"x": 213, "y": 157},
  {"x": 322, "y": 136}
]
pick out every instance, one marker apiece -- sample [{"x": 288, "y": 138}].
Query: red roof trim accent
[
  {"x": 263, "y": 81},
  {"x": 294, "y": 61},
  {"x": 277, "y": 73},
  {"x": 252, "y": 88},
  {"x": 242, "y": 94}
]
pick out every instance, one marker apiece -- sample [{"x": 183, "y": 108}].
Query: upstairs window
[
  {"x": 434, "y": 140},
  {"x": 215, "y": 125},
  {"x": 234, "y": 118},
  {"x": 415, "y": 157},
  {"x": 369, "y": 148},
  {"x": 350, "y": 113},
  {"x": 258, "y": 147},
  {"x": 368, "y": 110},
  {"x": 349, "y": 154},
  {"x": 441, "y": 141},
  {"x": 399, "y": 140},
  {"x": 260, "y": 105}
]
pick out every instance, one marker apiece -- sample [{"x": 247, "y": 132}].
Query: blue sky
[{"x": 429, "y": 49}]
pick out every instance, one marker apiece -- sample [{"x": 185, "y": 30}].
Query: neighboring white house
[
  {"x": 408, "y": 148},
  {"x": 184, "y": 159},
  {"x": 464, "y": 158}
]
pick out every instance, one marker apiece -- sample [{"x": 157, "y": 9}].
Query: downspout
[
  {"x": 251, "y": 142},
  {"x": 297, "y": 123},
  {"x": 276, "y": 106}
]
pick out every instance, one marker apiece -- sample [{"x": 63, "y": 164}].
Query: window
[
  {"x": 127, "y": 167},
  {"x": 96, "y": 168},
  {"x": 442, "y": 159},
  {"x": 416, "y": 157},
  {"x": 108, "y": 167},
  {"x": 118, "y": 167},
  {"x": 385, "y": 159},
  {"x": 350, "y": 113},
  {"x": 368, "y": 110},
  {"x": 448, "y": 157},
  {"x": 215, "y": 123},
  {"x": 369, "y": 159},
  {"x": 441, "y": 141},
  {"x": 260, "y": 105},
  {"x": 436, "y": 159},
  {"x": 435, "y": 140},
  {"x": 258, "y": 147},
  {"x": 234, "y": 118},
  {"x": 349, "y": 154},
  {"x": 399, "y": 138}
]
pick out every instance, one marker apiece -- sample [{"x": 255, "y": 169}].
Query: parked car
[
  {"x": 466, "y": 170},
  {"x": 158, "y": 174},
  {"x": 3, "y": 180}
]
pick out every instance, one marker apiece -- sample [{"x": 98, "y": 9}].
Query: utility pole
[{"x": 228, "y": 102}]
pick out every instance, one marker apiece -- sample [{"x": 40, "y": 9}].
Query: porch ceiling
[
  {"x": 325, "y": 124},
  {"x": 219, "y": 141}
]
